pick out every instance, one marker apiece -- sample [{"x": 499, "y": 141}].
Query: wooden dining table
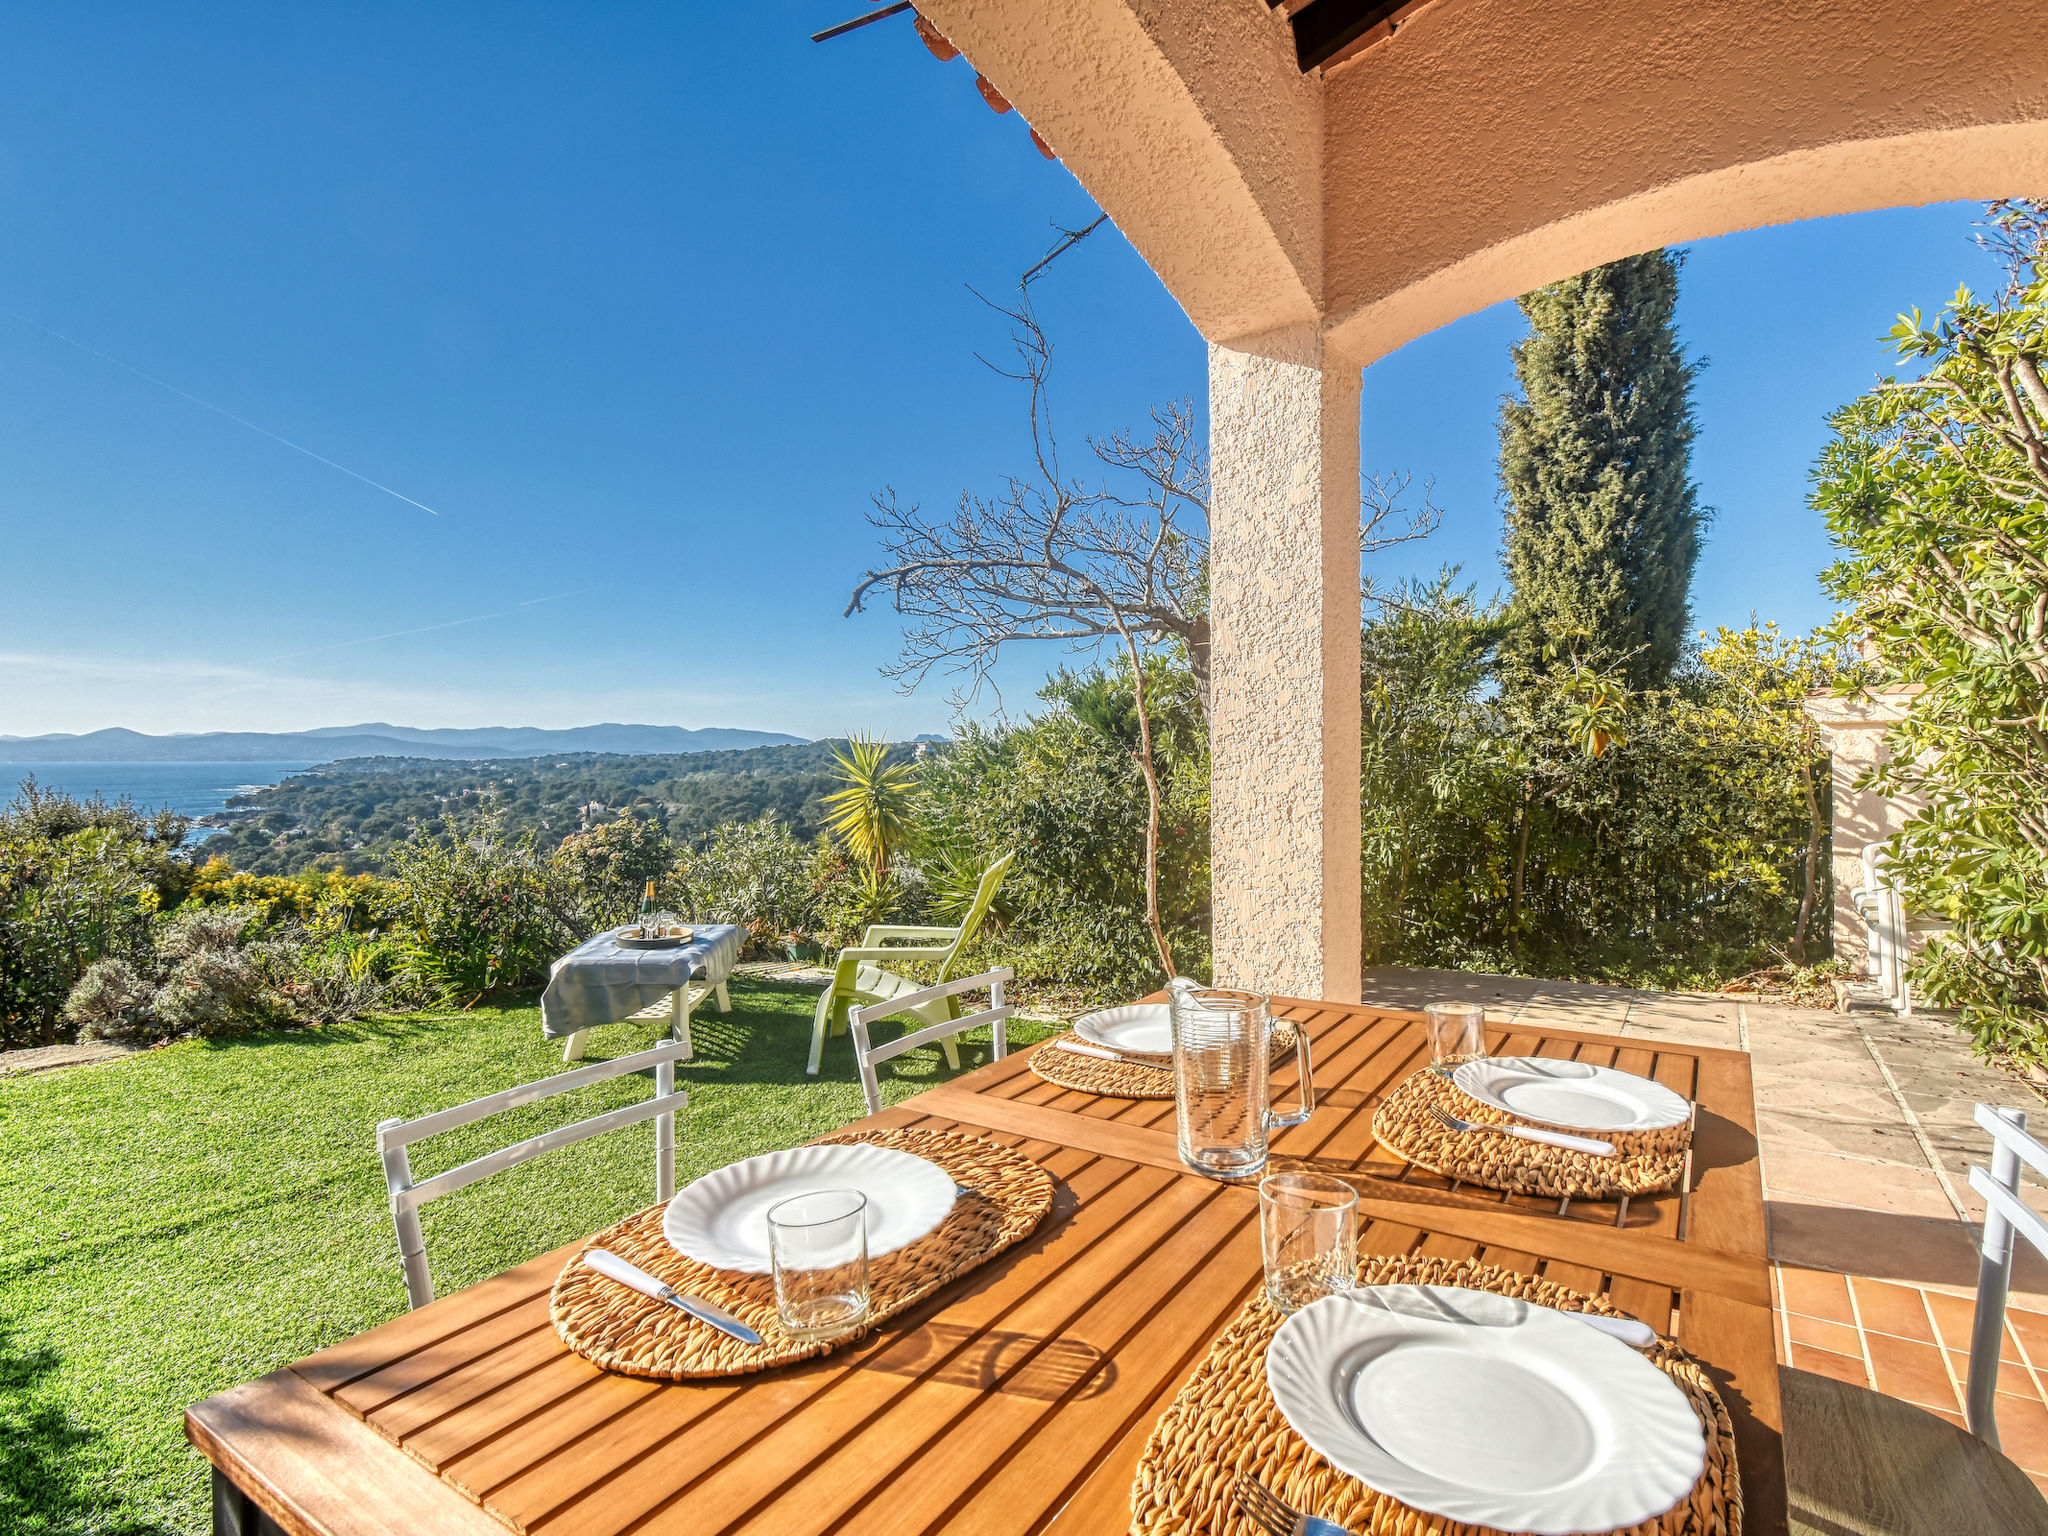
[{"x": 1019, "y": 1398}]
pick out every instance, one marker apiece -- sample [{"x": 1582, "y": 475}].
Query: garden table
[{"x": 1019, "y": 1398}]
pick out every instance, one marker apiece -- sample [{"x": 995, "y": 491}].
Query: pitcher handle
[{"x": 1308, "y": 1086}]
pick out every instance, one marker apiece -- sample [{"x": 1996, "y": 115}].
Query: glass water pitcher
[{"x": 1222, "y": 1082}]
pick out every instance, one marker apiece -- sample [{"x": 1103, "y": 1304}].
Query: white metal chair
[
  {"x": 996, "y": 1015},
  {"x": 2004, "y": 1215},
  {"x": 394, "y": 1136},
  {"x": 1859, "y": 1463}
]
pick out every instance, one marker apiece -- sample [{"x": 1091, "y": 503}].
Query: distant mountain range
[{"x": 374, "y": 740}]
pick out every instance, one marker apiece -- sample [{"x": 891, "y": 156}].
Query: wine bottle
[{"x": 647, "y": 912}]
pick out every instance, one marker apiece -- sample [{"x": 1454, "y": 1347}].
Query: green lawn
[{"x": 183, "y": 1220}]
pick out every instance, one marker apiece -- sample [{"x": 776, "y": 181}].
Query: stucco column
[{"x": 1283, "y": 446}]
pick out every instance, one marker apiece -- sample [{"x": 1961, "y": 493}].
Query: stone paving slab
[{"x": 44, "y": 1058}]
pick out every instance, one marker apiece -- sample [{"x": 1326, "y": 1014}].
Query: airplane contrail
[
  {"x": 220, "y": 411},
  {"x": 396, "y": 634}
]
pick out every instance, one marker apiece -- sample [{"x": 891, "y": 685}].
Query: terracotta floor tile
[
  {"x": 1883, "y": 1307},
  {"x": 2012, "y": 1376},
  {"x": 2023, "y": 1431},
  {"x": 1817, "y": 1293},
  {"x": 1955, "y": 1318},
  {"x": 2032, "y": 1329},
  {"x": 1915, "y": 1372},
  {"x": 1838, "y": 1337},
  {"x": 1944, "y": 1413},
  {"x": 1825, "y": 1362}
]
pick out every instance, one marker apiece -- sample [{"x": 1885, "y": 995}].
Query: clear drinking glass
[
  {"x": 818, "y": 1243},
  {"x": 1222, "y": 1081},
  {"x": 1457, "y": 1032},
  {"x": 1308, "y": 1230}
]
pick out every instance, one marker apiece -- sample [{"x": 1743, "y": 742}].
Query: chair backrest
[
  {"x": 2005, "y": 1213},
  {"x": 984, "y": 898},
  {"x": 996, "y": 1015},
  {"x": 394, "y": 1136}
]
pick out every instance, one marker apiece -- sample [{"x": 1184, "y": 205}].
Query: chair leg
[
  {"x": 818, "y": 1021},
  {"x": 724, "y": 1002},
  {"x": 578, "y": 1043},
  {"x": 951, "y": 1046}
]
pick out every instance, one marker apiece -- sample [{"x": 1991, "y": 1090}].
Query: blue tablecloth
[{"x": 597, "y": 982}]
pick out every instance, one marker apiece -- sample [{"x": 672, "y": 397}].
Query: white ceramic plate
[
  {"x": 1144, "y": 1029},
  {"x": 722, "y": 1218},
  {"x": 1571, "y": 1094},
  {"x": 1485, "y": 1409}
]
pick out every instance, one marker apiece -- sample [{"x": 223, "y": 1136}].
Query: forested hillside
[{"x": 348, "y": 816}]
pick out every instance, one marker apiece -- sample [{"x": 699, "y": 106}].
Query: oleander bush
[{"x": 1936, "y": 491}]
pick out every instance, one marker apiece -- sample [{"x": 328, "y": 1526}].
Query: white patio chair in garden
[
  {"x": 1859, "y": 1461},
  {"x": 406, "y": 1197},
  {"x": 859, "y": 980},
  {"x": 996, "y": 1015}
]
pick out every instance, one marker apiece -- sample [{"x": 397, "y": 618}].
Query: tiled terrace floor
[{"x": 1867, "y": 1134}]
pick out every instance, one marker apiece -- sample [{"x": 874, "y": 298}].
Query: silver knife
[{"x": 612, "y": 1267}]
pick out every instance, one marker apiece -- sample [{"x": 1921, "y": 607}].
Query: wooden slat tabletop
[{"x": 1019, "y": 1398}]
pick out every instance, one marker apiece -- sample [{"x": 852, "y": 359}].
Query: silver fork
[
  {"x": 1451, "y": 1122},
  {"x": 1273, "y": 1515}
]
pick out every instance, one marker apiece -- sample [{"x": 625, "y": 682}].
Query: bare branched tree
[{"x": 1051, "y": 557}]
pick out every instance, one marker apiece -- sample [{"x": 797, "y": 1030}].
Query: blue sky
[{"x": 643, "y": 301}]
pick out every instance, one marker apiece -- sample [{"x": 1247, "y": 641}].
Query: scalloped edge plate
[
  {"x": 1136, "y": 1029},
  {"x": 722, "y": 1218},
  {"x": 1486, "y": 1409},
  {"x": 1571, "y": 1094}
]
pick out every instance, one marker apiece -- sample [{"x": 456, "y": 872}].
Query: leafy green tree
[
  {"x": 611, "y": 864},
  {"x": 1936, "y": 491},
  {"x": 1603, "y": 525},
  {"x": 1064, "y": 796}
]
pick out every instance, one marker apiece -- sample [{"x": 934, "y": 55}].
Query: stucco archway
[{"x": 1453, "y": 154}]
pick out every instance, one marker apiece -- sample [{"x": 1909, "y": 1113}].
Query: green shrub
[
  {"x": 1567, "y": 826},
  {"x": 478, "y": 913},
  {"x": 1936, "y": 491},
  {"x": 80, "y": 881}
]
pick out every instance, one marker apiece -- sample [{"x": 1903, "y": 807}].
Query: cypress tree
[{"x": 1603, "y": 526}]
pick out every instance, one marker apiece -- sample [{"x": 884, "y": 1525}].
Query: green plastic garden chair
[{"x": 859, "y": 980}]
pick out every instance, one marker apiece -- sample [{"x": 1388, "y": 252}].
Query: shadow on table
[{"x": 1048, "y": 1370}]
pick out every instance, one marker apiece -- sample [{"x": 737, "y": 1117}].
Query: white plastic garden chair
[
  {"x": 394, "y": 1136},
  {"x": 859, "y": 980},
  {"x": 1859, "y": 1461},
  {"x": 996, "y": 1015}
]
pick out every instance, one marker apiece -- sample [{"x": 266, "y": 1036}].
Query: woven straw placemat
[
  {"x": 621, "y": 1330},
  {"x": 1225, "y": 1422},
  {"x": 1644, "y": 1161},
  {"x": 1123, "y": 1079}
]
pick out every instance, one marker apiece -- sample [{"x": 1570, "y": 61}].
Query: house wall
[{"x": 1855, "y": 737}]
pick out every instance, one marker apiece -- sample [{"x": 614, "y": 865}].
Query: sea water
[{"x": 197, "y": 789}]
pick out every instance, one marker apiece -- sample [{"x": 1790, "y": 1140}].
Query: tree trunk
[
  {"x": 1151, "y": 776},
  {"x": 1521, "y": 863},
  {"x": 1813, "y": 836}
]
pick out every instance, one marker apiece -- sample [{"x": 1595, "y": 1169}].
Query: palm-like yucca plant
[{"x": 873, "y": 816}]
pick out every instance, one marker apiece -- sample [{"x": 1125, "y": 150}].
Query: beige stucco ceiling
[{"x": 1491, "y": 145}]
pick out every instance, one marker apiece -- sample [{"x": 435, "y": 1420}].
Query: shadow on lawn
[
  {"x": 386, "y": 1027},
  {"x": 42, "y": 1492},
  {"x": 766, "y": 1039}
]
